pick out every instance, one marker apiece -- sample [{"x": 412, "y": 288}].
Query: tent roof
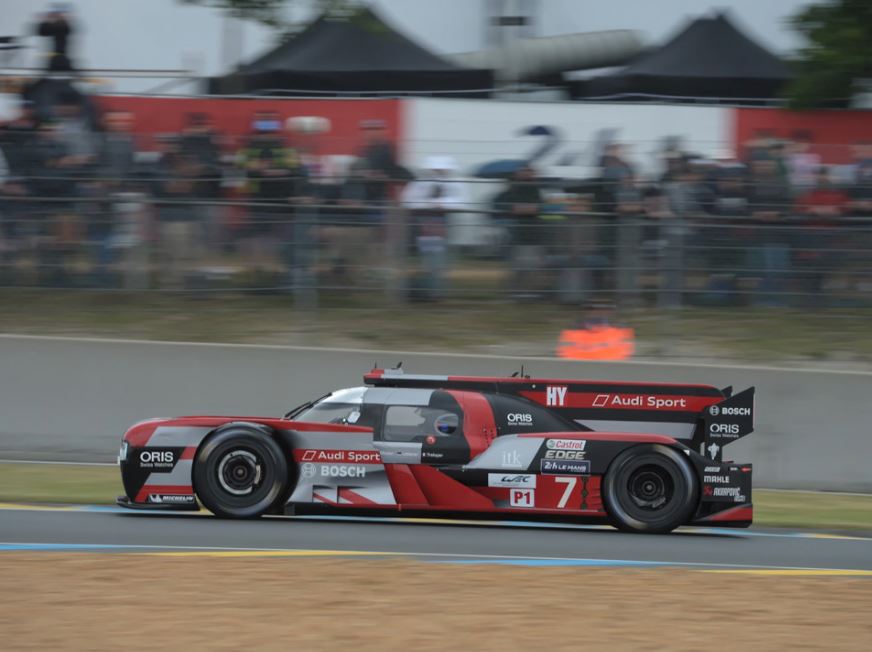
[
  {"x": 711, "y": 57},
  {"x": 361, "y": 41},
  {"x": 354, "y": 53}
]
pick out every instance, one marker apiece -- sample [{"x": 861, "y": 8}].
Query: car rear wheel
[
  {"x": 240, "y": 472},
  {"x": 650, "y": 489}
]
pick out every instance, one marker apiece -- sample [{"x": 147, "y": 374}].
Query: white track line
[
  {"x": 389, "y": 353},
  {"x": 821, "y": 492},
  {"x": 51, "y": 462}
]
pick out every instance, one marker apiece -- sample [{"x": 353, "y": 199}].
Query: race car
[{"x": 644, "y": 457}]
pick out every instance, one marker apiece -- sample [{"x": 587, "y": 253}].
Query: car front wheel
[{"x": 240, "y": 472}]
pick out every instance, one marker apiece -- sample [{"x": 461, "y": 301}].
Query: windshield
[{"x": 341, "y": 407}]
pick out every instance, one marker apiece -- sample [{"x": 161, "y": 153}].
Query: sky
[{"x": 167, "y": 34}]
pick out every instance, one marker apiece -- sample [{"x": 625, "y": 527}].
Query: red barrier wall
[
  {"x": 232, "y": 117},
  {"x": 832, "y": 132}
]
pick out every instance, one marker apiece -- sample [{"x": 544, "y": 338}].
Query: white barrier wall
[
  {"x": 477, "y": 131},
  {"x": 73, "y": 399}
]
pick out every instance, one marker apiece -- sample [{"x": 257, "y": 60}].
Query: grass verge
[
  {"x": 71, "y": 484},
  {"x": 474, "y": 324},
  {"x": 59, "y": 483}
]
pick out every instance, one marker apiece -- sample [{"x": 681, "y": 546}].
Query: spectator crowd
[{"x": 81, "y": 205}]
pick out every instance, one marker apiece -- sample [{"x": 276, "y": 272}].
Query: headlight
[{"x": 122, "y": 454}]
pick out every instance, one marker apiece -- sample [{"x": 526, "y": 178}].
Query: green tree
[
  {"x": 838, "y": 54},
  {"x": 267, "y": 12}
]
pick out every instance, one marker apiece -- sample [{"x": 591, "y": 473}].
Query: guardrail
[{"x": 564, "y": 250}]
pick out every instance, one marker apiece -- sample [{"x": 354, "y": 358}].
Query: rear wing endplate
[{"x": 725, "y": 422}]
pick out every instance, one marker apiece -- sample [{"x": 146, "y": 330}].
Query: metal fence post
[
  {"x": 304, "y": 258},
  {"x": 397, "y": 233},
  {"x": 134, "y": 240}
]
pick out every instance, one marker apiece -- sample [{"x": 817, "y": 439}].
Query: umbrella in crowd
[{"x": 505, "y": 168}]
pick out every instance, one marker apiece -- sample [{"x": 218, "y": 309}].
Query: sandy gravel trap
[{"x": 88, "y": 601}]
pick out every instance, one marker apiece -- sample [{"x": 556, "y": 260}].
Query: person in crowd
[
  {"x": 118, "y": 150},
  {"x": 519, "y": 205},
  {"x": 685, "y": 195},
  {"x": 56, "y": 233},
  {"x": 347, "y": 223},
  {"x": 861, "y": 188},
  {"x": 613, "y": 168},
  {"x": 116, "y": 172},
  {"x": 17, "y": 138},
  {"x": 769, "y": 255},
  {"x": 275, "y": 177},
  {"x": 629, "y": 212},
  {"x": 616, "y": 174},
  {"x": 628, "y": 198},
  {"x": 432, "y": 200},
  {"x": 721, "y": 234},
  {"x": 5, "y": 240},
  {"x": 178, "y": 224},
  {"x": 815, "y": 256},
  {"x": 74, "y": 130},
  {"x": 202, "y": 145},
  {"x": 760, "y": 146},
  {"x": 383, "y": 174},
  {"x": 803, "y": 163},
  {"x": 729, "y": 186},
  {"x": 824, "y": 201},
  {"x": 57, "y": 25},
  {"x": 89, "y": 215},
  {"x": 378, "y": 153}
]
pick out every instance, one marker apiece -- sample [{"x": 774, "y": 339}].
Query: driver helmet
[{"x": 447, "y": 423}]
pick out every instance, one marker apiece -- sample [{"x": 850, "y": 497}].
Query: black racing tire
[
  {"x": 240, "y": 472},
  {"x": 650, "y": 489}
]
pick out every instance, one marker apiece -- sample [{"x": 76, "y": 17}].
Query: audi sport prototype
[{"x": 644, "y": 457}]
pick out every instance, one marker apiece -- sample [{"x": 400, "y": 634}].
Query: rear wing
[{"x": 704, "y": 417}]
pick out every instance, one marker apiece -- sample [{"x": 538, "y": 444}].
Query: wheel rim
[
  {"x": 650, "y": 487},
  {"x": 240, "y": 472}
]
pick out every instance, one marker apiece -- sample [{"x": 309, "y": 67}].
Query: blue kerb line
[
  {"x": 59, "y": 546},
  {"x": 696, "y": 530}
]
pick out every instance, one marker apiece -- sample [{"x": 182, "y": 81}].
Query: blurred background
[{"x": 669, "y": 180}]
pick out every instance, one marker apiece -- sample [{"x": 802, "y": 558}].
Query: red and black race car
[{"x": 644, "y": 457}]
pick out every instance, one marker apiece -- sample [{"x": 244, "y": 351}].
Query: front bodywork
[{"x": 530, "y": 451}]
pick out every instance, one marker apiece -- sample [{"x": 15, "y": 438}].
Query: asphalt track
[
  {"x": 70, "y": 399},
  {"x": 109, "y": 529}
]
